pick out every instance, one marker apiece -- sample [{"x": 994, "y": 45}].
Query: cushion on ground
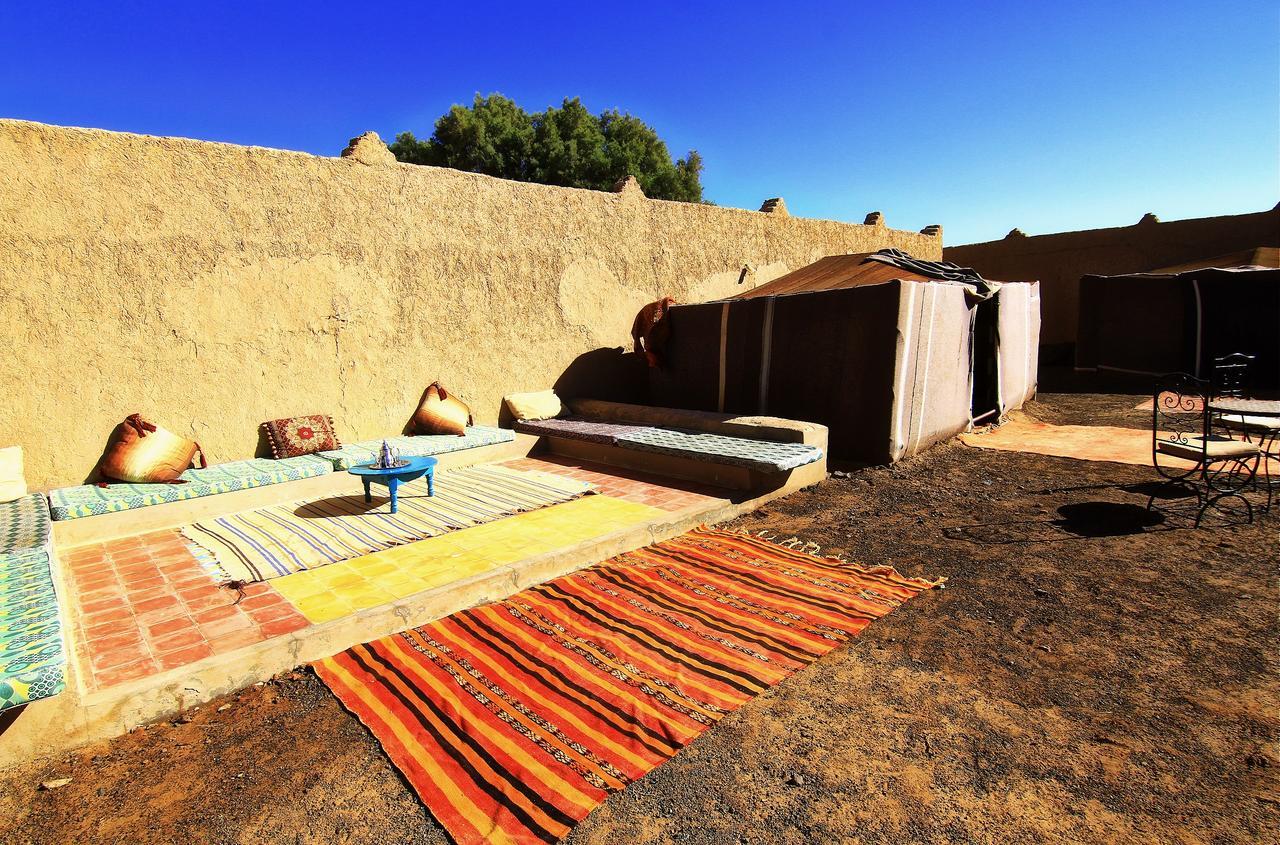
[
  {"x": 419, "y": 446},
  {"x": 32, "y": 660},
  {"x": 762, "y": 455},
  {"x": 1216, "y": 449},
  {"x": 577, "y": 428},
  {"x": 90, "y": 500},
  {"x": 24, "y": 524}
]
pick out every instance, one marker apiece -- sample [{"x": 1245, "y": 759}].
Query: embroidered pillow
[
  {"x": 440, "y": 412},
  {"x": 141, "y": 452},
  {"x": 296, "y": 436}
]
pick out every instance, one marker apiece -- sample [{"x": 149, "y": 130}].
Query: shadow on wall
[{"x": 609, "y": 373}]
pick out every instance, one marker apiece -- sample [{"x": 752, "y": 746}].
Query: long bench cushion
[
  {"x": 762, "y": 455},
  {"x": 24, "y": 524},
  {"x": 419, "y": 446},
  {"x": 577, "y": 428},
  {"x": 32, "y": 660},
  {"x": 90, "y": 500}
]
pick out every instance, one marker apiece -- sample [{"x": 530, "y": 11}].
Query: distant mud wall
[
  {"x": 1058, "y": 261},
  {"x": 211, "y": 286}
]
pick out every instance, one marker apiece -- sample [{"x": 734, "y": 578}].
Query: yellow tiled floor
[{"x": 342, "y": 588}]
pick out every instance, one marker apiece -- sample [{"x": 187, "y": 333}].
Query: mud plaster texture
[{"x": 211, "y": 287}]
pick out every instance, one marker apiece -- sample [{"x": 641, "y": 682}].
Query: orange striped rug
[{"x": 514, "y": 720}]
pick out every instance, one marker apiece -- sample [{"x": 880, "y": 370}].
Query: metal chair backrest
[
  {"x": 1231, "y": 375},
  {"x": 1180, "y": 414}
]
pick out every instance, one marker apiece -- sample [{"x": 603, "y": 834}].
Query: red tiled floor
[
  {"x": 145, "y": 605},
  {"x": 668, "y": 494}
]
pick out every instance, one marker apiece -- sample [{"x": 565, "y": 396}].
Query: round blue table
[{"x": 392, "y": 478}]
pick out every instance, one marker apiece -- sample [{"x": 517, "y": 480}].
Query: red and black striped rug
[{"x": 514, "y": 720}]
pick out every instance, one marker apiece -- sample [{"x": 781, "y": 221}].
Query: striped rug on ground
[
  {"x": 283, "y": 539},
  {"x": 514, "y": 720}
]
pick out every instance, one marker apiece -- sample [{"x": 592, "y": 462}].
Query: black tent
[{"x": 1146, "y": 324}]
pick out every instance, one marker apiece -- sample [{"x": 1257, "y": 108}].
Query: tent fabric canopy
[{"x": 837, "y": 272}]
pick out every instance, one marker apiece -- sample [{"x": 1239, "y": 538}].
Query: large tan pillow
[
  {"x": 542, "y": 405},
  {"x": 13, "y": 484},
  {"x": 440, "y": 412},
  {"x": 141, "y": 452}
]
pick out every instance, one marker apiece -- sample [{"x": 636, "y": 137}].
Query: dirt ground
[{"x": 1087, "y": 674}]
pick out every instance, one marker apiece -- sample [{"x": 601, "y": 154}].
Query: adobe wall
[
  {"x": 1059, "y": 260},
  {"x": 211, "y": 286}
]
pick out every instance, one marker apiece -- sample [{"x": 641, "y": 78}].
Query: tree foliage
[{"x": 566, "y": 146}]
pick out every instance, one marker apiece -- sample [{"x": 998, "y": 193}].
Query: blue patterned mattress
[
  {"x": 419, "y": 446},
  {"x": 578, "y": 428},
  {"x": 762, "y": 455},
  {"x": 32, "y": 660},
  {"x": 24, "y": 524},
  {"x": 90, "y": 500}
]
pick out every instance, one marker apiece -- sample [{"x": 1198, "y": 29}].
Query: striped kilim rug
[
  {"x": 283, "y": 539},
  {"x": 514, "y": 720}
]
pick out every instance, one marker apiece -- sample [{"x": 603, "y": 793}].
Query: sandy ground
[{"x": 1088, "y": 674}]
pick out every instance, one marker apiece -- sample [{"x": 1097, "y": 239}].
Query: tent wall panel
[
  {"x": 1017, "y": 342},
  {"x": 885, "y": 367}
]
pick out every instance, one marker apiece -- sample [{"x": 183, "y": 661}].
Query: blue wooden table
[{"x": 392, "y": 478}]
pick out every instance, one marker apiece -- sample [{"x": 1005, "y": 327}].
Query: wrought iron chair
[
  {"x": 1182, "y": 427},
  {"x": 1231, "y": 375},
  {"x": 1231, "y": 378}
]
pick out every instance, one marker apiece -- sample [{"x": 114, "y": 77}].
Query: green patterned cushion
[
  {"x": 32, "y": 661},
  {"x": 24, "y": 524},
  {"x": 89, "y": 500},
  {"x": 420, "y": 446},
  {"x": 763, "y": 455}
]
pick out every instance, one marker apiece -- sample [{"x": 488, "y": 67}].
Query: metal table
[{"x": 1268, "y": 408}]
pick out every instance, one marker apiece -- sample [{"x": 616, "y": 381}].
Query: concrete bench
[
  {"x": 87, "y": 513},
  {"x": 418, "y": 446},
  {"x": 727, "y": 450},
  {"x": 32, "y": 656}
]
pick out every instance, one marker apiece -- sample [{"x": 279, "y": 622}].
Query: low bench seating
[
  {"x": 580, "y": 428},
  {"x": 418, "y": 446},
  {"x": 32, "y": 658},
  {"x": 90, "y": 500},
  {"x": 760, "y": 455},
  {"x": 726, "y": 450}
]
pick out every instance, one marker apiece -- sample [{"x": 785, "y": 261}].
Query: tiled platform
[
  {"x": 151, "y": 631},
  {"x": 147, "y": 604}
]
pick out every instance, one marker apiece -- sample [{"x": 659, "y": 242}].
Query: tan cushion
[
  {"x": 13, "y": 484},
  {"x": 1217, "y": 449},
  {"x": 1236, "y": 422},
  {"x": 440, "y": 412},
  {"x": 141, "y": 452},
  {"x": 542, "y": 405}
]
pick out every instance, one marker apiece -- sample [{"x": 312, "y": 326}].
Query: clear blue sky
[{"x": 979, "y": 116}]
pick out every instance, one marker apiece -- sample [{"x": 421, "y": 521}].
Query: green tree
[{"x": 566, "y": 146}]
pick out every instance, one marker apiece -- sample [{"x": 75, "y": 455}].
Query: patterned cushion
[
  {"x": 88, "y": 500},
  {"x": 297, "y": 436},
  {"x": 419, "y": 446},
  {"x": 577, "y": 428},
  {"x": 24, "y": 524},
  {"x": 31, "y": 656},
  {"x": 763, "y": 455}
]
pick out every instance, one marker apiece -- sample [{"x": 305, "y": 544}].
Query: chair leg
[{"x": 1215, "y": 499}]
